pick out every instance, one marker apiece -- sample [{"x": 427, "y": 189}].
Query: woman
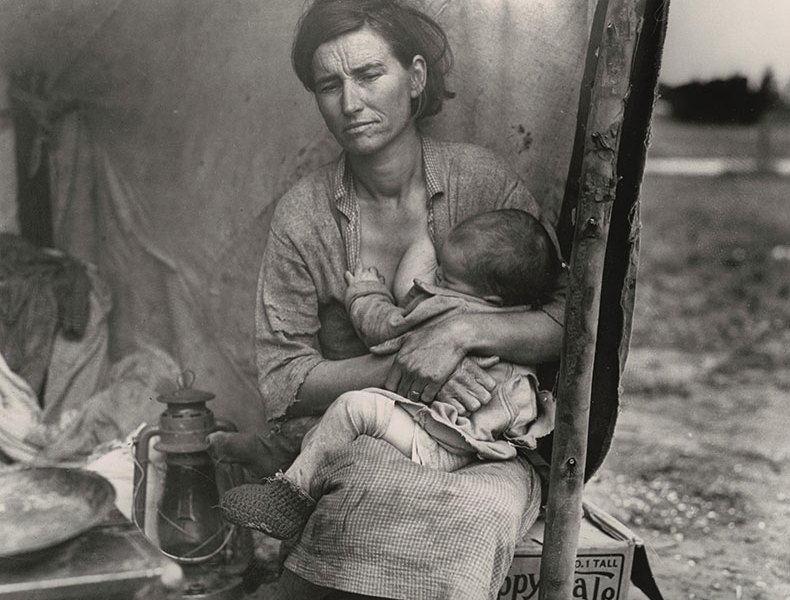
[{"x": 377, "y": 69}]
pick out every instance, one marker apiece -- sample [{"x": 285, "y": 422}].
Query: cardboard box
[{"x": 604, "y": 558}]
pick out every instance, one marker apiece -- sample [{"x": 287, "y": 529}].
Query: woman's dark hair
[
  {"x": 508, "y": 253},
  {"x": 405, "y": 29}
]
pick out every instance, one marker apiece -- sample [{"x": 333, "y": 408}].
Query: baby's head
[{"x": 505, "y": 256}]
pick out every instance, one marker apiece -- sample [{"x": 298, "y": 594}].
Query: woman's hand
[
  {"x": 469, "y": 387},
  {"x": 428, "y": 356}
]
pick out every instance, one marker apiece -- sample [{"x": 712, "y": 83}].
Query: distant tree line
[{"x": 722, "y": 100}]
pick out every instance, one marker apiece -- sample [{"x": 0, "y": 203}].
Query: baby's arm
[
  {"x": 371, "y": 307},
  {"x": 376, "y": 316}
]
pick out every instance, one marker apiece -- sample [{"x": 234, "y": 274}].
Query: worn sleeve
[
  {"x": 378, "y": 320},
  {"x": 286, "y": 324},
  {"x": 373, "y": 312}
]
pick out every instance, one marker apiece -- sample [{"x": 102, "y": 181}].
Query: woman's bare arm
[
  {"x": 330, "y": 378},
  {"x": 526, "y": 338}
]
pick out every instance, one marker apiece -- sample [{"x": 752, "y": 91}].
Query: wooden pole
[{"x": 598, "y": 184}]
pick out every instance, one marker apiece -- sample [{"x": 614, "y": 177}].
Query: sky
[{"x": 718, "y": 38}]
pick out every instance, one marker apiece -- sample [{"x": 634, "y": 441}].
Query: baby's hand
[{"x": 363, "y": 274}]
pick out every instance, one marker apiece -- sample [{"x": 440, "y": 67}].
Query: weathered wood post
[{"x": 611, "y": 65}]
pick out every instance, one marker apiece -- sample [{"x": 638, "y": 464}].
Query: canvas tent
[
  {"x": 187, "y": 124},
  {"x": 170, "y": 129}
]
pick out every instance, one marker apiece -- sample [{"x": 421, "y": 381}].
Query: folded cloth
[
  {"x": 389, "y": 528},
  {"x": 20, "y": 415},
  {"x": 42, "y": 292},
  {"x": 108, "y": 415}
]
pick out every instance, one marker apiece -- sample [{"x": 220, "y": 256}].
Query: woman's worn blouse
[{"x": 314, "y": 238}]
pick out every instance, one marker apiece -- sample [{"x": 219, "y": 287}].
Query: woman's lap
[{"x": 386, "y": 527}]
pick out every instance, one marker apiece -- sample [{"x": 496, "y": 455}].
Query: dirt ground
[
  {"x": 700, "y": 474},
  {"x": 699, "y": 465}
]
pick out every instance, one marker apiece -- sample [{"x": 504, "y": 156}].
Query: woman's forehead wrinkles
[
  {"x": 332, "y": 69},
  {"x": 350, "y": 54}
]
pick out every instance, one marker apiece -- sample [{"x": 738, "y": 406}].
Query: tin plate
[{"x": 43, "y": 507}]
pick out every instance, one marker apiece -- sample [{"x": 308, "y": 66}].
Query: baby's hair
[{"x": 508, "y": 253}]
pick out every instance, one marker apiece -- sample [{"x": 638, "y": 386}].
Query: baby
[{"x": 502, "y": 260}]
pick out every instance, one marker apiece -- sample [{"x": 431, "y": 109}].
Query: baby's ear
[{"x": 493, "y": 299}]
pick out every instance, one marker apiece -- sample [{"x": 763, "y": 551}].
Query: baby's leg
[
  {"x": 353, "y": 414},
  {"x": 400, "y": 431},
  {"x": 281, "y": 505}
]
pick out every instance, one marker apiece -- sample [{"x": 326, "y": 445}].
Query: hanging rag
[{"x": 42, "y": 292}]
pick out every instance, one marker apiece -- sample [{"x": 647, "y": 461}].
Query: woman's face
[{"x": 363, "y": 91}]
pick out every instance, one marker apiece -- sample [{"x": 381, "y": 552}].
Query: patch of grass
[
  {"x": 750, "y": 363},
  {"x": 673, "y": 493},
  {"x": 711, "y": 279}
]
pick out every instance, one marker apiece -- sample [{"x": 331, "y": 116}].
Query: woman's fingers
[
  {"x": 476, "y": 370},
  {"x": 470, "y": 386},
  {"x": 429, "y": 391},
  {"x": 410, "y": 388},
  {"x": 419, "y": 379},
  {"x": 415, "y": 382},
  {"x": 402, "y": 383},
  {"x": 426, "y": 358},
  {"x": 427, "y": 366},
  {"x": 457, "y": 405},
  {"x": 458, "y": 395}
]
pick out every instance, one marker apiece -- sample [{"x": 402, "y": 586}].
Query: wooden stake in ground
[{"x": 613, "y": 45}]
